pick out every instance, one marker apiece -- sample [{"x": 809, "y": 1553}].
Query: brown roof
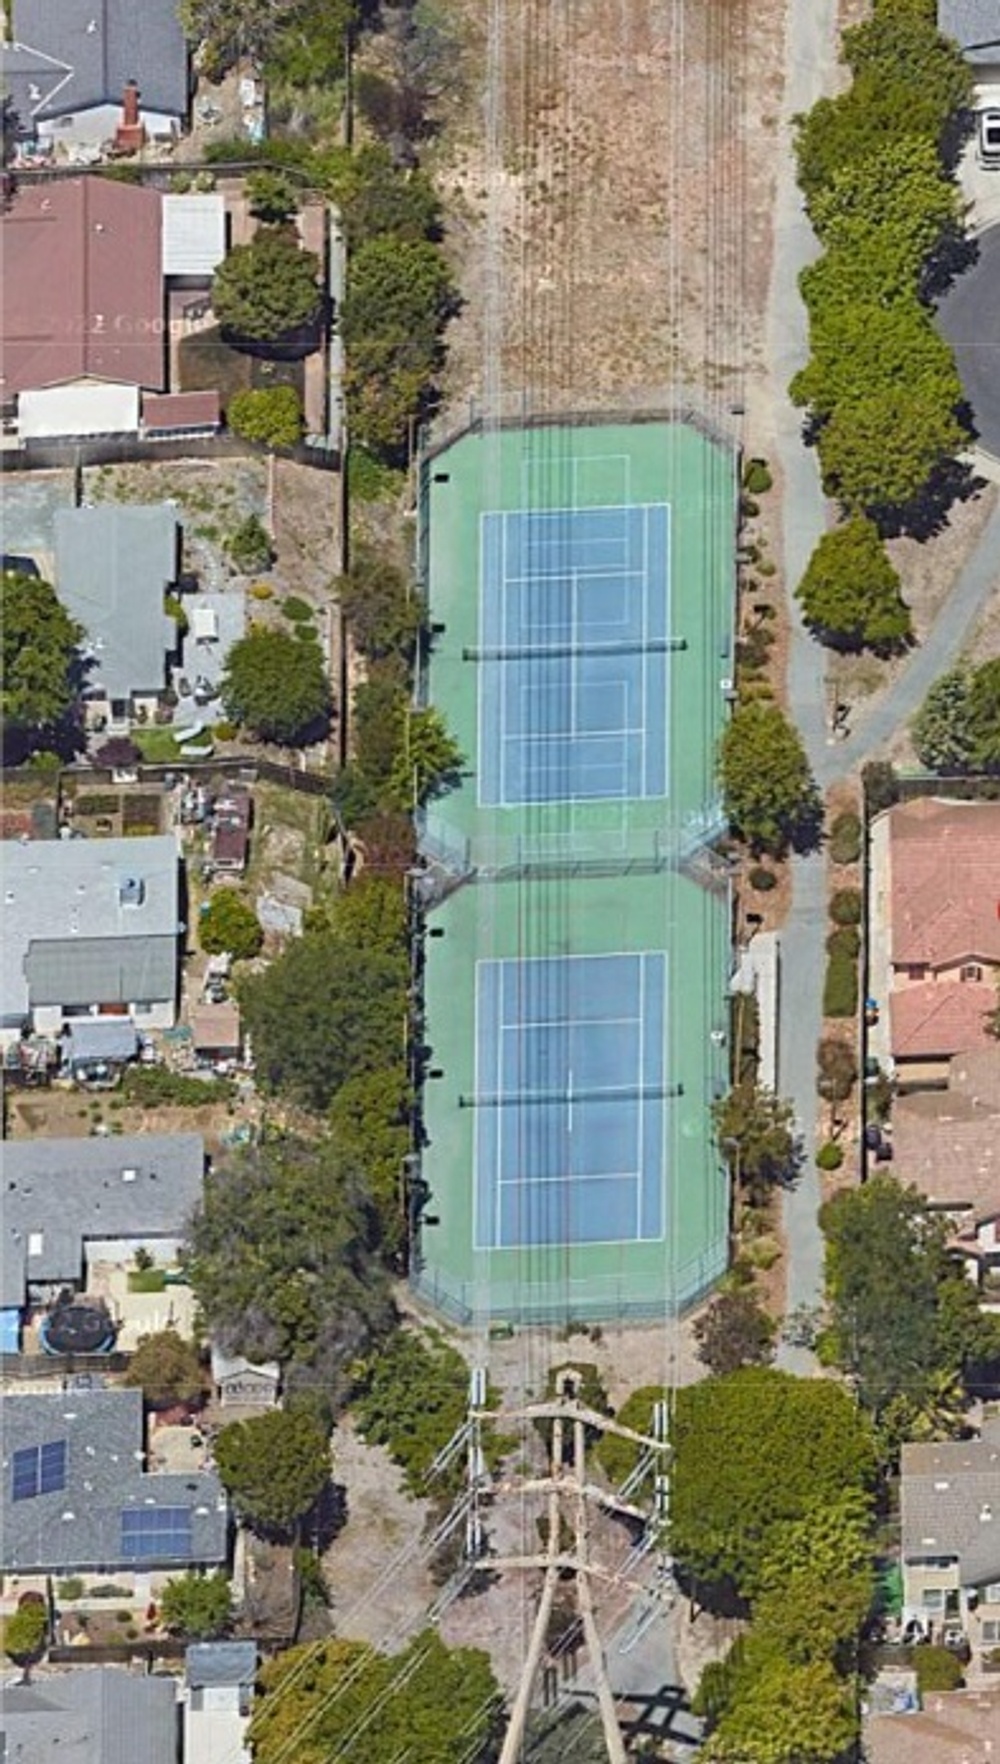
[
  {"x": 948, "y": 1142},
  {"x": 82, "y": 286},
  {"x": 181, "y": 410},
  {"x": 950, "y": 1729},
  {"x": 937, "y": 1018},
  {"x": 216, "y": 1026},
  {"x": 944, "y": 861}
]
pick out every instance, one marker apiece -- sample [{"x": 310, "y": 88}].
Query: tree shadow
[
  {"x": 331, "y": 1516},
  {"x": 955, "y": 253},
  {"x": 927, "y": 515}
]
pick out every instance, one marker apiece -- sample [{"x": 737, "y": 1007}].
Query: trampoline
[
  {"x": 570, "y": 1099},
  {"x": 573, "y": 646},
  {"x": 80, "y": 1328}
]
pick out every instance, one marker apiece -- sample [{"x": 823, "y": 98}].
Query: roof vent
[
  {"x": 985, "y": 1512},
  {"x": 129, "y": 1175},
  {"x": 131, "y": 891}
]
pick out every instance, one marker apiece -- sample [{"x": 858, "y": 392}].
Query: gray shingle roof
[
  {"x": 96, "y": 47},
  {"x": 211, "y": 1663},
  {"x": 80, "y": 1526},
  {"x": 68, "y": 1190},
  {"x": 114, "y": 564},
  {"x": 94, "y": 1715},
  {"x": 975, "y": 26},
  {"x": 67, "y": 936},
  {"x": 950, "y": 1505}
]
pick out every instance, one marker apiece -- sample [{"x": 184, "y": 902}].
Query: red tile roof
[
  {"x": 82, "y": 286},
  {"x": 935, "y": 1019},
  {"x": 952, "y": 1728},
  {"x": 944, "y": 861}
]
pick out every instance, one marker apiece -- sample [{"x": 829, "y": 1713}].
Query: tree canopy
[
  {"x": 784, "y": 1712},
  {"x": 229, "y": 925},
  {"x": 957, "y": 729},
  {"x": 271, "y": 415},
  {"x": 25, "y": 1632},
  {"x": 283, "y": 1260},
  {"x": 850, "y": 593},
  {"x": 399, "y": 297},
  {"x": 769, "y": 791},
  {"x": 734, "y": 1331},
  {"x": 413, "y": 1396},
  {"x": 440, "y": 1704},
  {"x": 274, "y": 1466},
  {"x": 39, "y": 656},
  {"x": 791, "y": 1447},
  {"x": 862, "y": 472},
  {"x": 197, "y": 1605},
  {"x": 272, "y": 195},
  {"x": 277, "y": 686},
  {"x": 380, "y": 606},
  {"x": 268, "y": 288},
  {"x": 166, "y": 1368},
  {"x": 754, "y": 1130}
]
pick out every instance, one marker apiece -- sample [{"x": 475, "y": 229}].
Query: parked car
[{"x": 988, "y": 139}]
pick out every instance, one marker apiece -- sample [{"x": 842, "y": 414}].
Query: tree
[
  {"x": 429, "y": 761},
  {"x": 249, "y": 546},
  {"x": 380, "y": 606},
  {"x": 876, "y": 111},
  {"x": 837, "y": 1070},
  {"x": 850, "y": 591},
  {"x": 272, "y": 195},
  {"x": 901, "y": 192},
  {"x": 275, "y": 1466},
  {"x": 228, "y": 925},
  {"x": 413, "y": 1397},
  {"x": 39, "y": 656},
  {"x": 324, "y": 1012},
  {"x": 381, "y": 706},
  {"x": 734, "y": 1332},
  {"x": 901, "y": 41},
  {"x": 769, "y": 791},
  {"x": 864, "y": 341},
  {"x": 886, "y": 1273},
  {"x": 371, "y": 1126},
  {"x": 26, "y": 1632},
  {"x": 120, "y": 753},
  {"x": 197, "y": 1605},
  {"x": 792, "y": 1446},
  {"x": 277, "y": 686},
  {"x": 942, "y": 728},
  {"x": 862, "y": 472},
  {"x": 271, "y": 415},
  {"x": 440, "y": 1704},
  {"x": 283, "y": 1257},
  {"x": 232, "y": 28},
  {"x": 753, "y": 1128},
  {"x": 167, "y": 1369},
  {"x": 264, "y": 290},
  {"x": 830, "y": 1544},
  {"x": 399, "y": 296},
  {"x": 984, "y": 715},
  {"x": 786, "y": 1713},
  {"x": 381, "y": 199}
]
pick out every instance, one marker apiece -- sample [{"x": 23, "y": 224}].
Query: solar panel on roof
[
  {"x": 39, "y": 1470},
  {"x": 155, "y": 1533}
]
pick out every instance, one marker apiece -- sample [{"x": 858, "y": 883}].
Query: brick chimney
[{"x": 130, "y": 133}]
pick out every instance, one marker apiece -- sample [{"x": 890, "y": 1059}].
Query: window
[
  {"x": 932, "y": 1598},
  {"x": 39, "y": 1470},
  {"x": 989, "y": 1632},
  {"x": 991, "y": 1593},
  {"x": 156, "y": 1534},
  {"x": 970, "y": 971},
  {"x": 917, "y": 971}
]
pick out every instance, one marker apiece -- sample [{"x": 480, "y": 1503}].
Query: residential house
[
  {"x": 936, "y": 956},
  {"x": 950, "y": 1519},
  {"x": 218, "y": 1701},
  {"x": 115, "y": 563},
  {"x": 77, "y": 1497},
  {"x": 93, "y": 1715},
  {"x": 90, "y": 928},
  {"x": 91, "y": 72},
  {"x": 953, "y": 1727},
  {"x": 242, "y": 1384},
  {"x": 947, "y": 1143},
  {"x": 975, "y": 26},
  {"x": 71, "y": 1203},
  {"x": 82, "y": 330}
]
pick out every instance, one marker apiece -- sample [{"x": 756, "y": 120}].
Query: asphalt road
[{"x": 969, "y": 316}]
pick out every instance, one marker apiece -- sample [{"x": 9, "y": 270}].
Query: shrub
[
  {"x": 296, "y": 609},
  {"x": 845, "y": 907},
  {"x": 830, "y": 1156},
  {"x": 937, "y": 1669},
  {"x": 261, "y": 591},
  {"x": 225, "y": 731},
  {"x": 150, "y": 1086},
  {"x": 70, "y": 1588},
  {"x": 845, "y": 838},
  {"x": 46, "y": 762},
  {"x": 228, "y": 924},
  {"x": 881, "y": 788},
  {"x": 757, "y": 479},
  {"x": 749, "y": 508},
  {"x": 845, "y": 941},
  {"x": 837, "y": 1070},
  {"x": 269, "y": 415},
  {"x": 762, "y": 880},
  {"x": 840, "y": 988},
  {"x": 249, "y": 546}
]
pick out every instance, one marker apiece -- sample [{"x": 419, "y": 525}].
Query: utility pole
[{"x": 570, "y": 1501}]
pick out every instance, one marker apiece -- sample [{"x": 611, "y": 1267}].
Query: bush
[
  {"x": 269, "y": 415},
  {"x": 845, "y": 941},
  {"x": 249, "y": 546},
  {"x": 845, "y": 907},
  {"x": 840, "y": 988},
  {"x": 937, "y": 1669},
  {"x": 261, "y": 591},
  {"x": 70, "y": 1588},
  {"x": 225, "y": 731},
  {"x": 837, "y": 1070},
  {"x": 46, "y": 762},
  {"x": 228, "y": 925},
  {"x": 757, "y": 479},
  {"x": 296, "y": 609},
  {"x": 845, "y": 838},
  {"x": 762, "y": 880},
  {"x": 151, "y": 1086},
  {"x": 880, "y": 785},
  {"x": 830, "y": 1156}
]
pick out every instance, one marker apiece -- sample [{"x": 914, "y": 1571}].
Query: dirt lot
[{"x": 611, "y": 221}]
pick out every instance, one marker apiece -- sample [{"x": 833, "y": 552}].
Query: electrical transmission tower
[{"x": 571, "y": 1500}]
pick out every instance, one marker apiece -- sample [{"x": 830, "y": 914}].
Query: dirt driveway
[{"x": 611, "y": 221}]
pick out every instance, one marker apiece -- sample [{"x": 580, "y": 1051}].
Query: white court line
[
  {"x": 644, "y": 662},
  {"x": 641, "y": 1108},
  {"x": 598, "y": 459},
  {"x": 581, "y": 1176},
  {"x": 561, "y": 1023}
]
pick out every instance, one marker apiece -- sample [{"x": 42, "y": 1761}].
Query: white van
[{"x": 988, "y": 139}]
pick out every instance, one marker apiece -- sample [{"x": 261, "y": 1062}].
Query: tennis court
[
  {"x": 570, "y": 1099},
  {"x": 574, "y": 637}
]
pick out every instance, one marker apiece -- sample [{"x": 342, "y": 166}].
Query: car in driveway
[{"x": 988, "y": 138}]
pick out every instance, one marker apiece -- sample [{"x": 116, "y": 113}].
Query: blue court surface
[
  {"x": 574, "y": 639},
  {"x": 570, "y": 1100}
]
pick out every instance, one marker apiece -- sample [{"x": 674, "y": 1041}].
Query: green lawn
[{"x": 157, "y": 746}]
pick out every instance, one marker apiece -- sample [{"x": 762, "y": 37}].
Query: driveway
[{"x": 969, "y": 317}]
